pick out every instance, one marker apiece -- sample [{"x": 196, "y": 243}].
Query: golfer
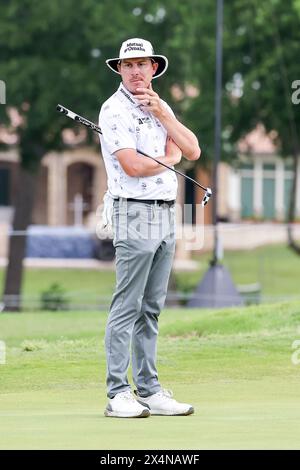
[{"x": 143, "y": 193}]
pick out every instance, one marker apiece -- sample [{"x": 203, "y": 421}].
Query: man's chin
[{"x": 137, "y": 84}]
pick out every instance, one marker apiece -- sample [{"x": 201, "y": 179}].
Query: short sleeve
[
  {"x": 117, "y": 131},
  {"x": 168, "y": 107}
]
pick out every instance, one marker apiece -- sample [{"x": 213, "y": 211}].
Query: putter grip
[{"x": 61, "y": 109}]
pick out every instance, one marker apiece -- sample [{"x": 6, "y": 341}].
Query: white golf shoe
[
  {"x": 124, "y": 405},
  {"x": 163, "y": 403}
]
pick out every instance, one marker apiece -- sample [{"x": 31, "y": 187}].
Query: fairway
[{"x": 233, "y": 365}]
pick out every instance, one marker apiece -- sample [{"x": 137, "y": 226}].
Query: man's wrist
[
  {"x": 169, "y": 159},
  {"x": 165, "y": 117}
]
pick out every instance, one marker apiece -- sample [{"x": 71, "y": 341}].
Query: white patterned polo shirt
[{"x": 125, "y": 125}]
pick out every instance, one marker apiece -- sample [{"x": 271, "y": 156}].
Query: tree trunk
[
  {"x": 17, "y": 241},
  {"x": 292, "y": 208}
]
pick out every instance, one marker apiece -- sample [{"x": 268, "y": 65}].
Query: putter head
[{"x": 206, "y": 197}]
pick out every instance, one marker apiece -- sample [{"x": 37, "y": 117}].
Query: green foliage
[
  {"x": 55, "y": 52},
  {"x": 261, "y": 44},
  {"x": 54, "y": 298}
]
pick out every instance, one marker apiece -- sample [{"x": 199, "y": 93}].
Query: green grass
[
  {"x": 275, "y": 267},
  {"x": 233, "y": 365},
  {"x": 81, "y": 286}
]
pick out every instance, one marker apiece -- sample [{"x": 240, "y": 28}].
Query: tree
[
  {"x": 53, "y": 52},
  {"x": 264, "y": 51}
]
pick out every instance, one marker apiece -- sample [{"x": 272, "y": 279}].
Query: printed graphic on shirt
[{"x": 143, "y": 120}]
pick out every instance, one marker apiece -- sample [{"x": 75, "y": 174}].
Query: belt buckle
[{"x": 166, "y": 203}]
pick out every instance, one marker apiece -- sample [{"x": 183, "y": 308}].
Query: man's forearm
[
  {"x": 148, "y": 167},
  {"x": 182, "y": 136}
]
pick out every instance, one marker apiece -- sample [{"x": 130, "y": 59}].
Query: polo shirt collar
[{"x": 125, "y": 96}]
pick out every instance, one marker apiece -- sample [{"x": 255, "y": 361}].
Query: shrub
[{"x": 54, "y": 298}]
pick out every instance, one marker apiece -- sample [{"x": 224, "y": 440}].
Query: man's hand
[
  {"x": 150, "y": 101},
  {"x": 183, "y": 137}
]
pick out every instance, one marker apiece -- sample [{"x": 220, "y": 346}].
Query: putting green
[
  {"x": 234, "y": 366},
  {"x": 257, "y": 414}
]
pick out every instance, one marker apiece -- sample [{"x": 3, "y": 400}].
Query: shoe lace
[
  {"x": 127, "y": 396},
  {"x": 166, "y": 393}
]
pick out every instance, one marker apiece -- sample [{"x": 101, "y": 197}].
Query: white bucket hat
[{"x": 134, "y": 48}]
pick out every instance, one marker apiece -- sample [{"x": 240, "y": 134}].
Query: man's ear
[
  {"x": 119, "y": 67},
  {"x": 154, "y": 67}
]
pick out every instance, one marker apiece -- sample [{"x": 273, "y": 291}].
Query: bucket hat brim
[{"x": 160, "y": 59}]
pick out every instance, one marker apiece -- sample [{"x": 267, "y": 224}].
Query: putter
[{"x": 76, "y": 117}]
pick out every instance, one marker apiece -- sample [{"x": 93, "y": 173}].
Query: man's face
[{"x": 137, "y": 73}]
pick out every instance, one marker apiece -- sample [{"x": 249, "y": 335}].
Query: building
[
  {"x": 62, "y": 177},
  {"x": 258, "y": 185},
  {"x": 71, "y": 185}
]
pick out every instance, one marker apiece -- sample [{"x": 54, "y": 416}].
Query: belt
[{"x": 159, "y": 202}]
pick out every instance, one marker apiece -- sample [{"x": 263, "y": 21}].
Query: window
[
  {"x": 269, "y": 198},
  {"x": 288, "y": 166},
  {"x": 246, "y": 166},
  {"x": 247, "y": 197},
  {"x": 269, "y": 166}
]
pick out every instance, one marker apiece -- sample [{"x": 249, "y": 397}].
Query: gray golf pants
[{"x": 144, "y": 239}]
